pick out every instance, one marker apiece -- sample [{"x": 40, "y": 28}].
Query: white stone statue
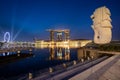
[{"x": 102, "y": 25}]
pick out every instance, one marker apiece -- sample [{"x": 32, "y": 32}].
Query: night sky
[{"x": 29, "y": 19}]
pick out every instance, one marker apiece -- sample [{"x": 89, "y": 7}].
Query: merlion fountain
[{"x": 102, "y": 25}]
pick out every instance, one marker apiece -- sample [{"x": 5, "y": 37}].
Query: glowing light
[
  {"x": 7, "y": 37},
  {"x": 3, "y": 54}
]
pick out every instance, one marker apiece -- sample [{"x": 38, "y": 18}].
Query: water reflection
[
  {"x": 64, "y": 53},
  {"x": 59, "y": 58},
  {"x": 59, "y": 53},
  {"x": 6, "y": 54},
  {"x": 13, "y": 57}
]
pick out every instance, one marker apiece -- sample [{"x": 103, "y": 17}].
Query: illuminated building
[
  {"x": 60, "y": 40},
  {"x": 59, "y": 35}
]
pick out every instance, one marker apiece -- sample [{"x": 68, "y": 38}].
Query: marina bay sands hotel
[
  {"x": 60, "y": 38},
  {"x": 59, "y": 35}
]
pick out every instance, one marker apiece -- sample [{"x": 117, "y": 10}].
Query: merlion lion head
[{"x": 102, "y": 25}]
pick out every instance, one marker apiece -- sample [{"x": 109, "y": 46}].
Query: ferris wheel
[{"x": 7, "y": 37}]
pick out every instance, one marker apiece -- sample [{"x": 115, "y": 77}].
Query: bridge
[
  {"x": 18, "y": 49},
  {"x": 16, "y": 46}
]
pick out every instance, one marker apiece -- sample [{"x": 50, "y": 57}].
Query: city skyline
[{"x": 27, "y": 19}]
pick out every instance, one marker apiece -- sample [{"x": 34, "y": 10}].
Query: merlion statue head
[{"x": 102, "y": 25}]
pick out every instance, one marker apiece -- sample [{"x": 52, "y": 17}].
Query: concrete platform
[
  {"x": 106, "y": 70},
  {"x": 113, "y": 73}
]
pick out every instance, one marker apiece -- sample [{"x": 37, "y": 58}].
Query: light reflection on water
[
  {"x": 26, "y": 62},
  {"x": 59, "y": 53}
]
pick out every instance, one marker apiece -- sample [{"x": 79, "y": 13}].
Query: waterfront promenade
[{"x": 106, "y": 70}]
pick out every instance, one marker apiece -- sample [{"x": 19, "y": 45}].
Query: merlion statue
[{"x": 102, "y": 25}]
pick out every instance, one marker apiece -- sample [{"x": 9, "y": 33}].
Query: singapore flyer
[{"x": 7, "y": 37}]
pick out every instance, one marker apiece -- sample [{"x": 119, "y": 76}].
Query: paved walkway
[
  {"x": 113, "y": 73},
  {"x": 106, "y": 70}
]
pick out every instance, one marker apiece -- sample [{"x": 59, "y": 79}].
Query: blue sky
[{"x": 28, "y": 19}]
